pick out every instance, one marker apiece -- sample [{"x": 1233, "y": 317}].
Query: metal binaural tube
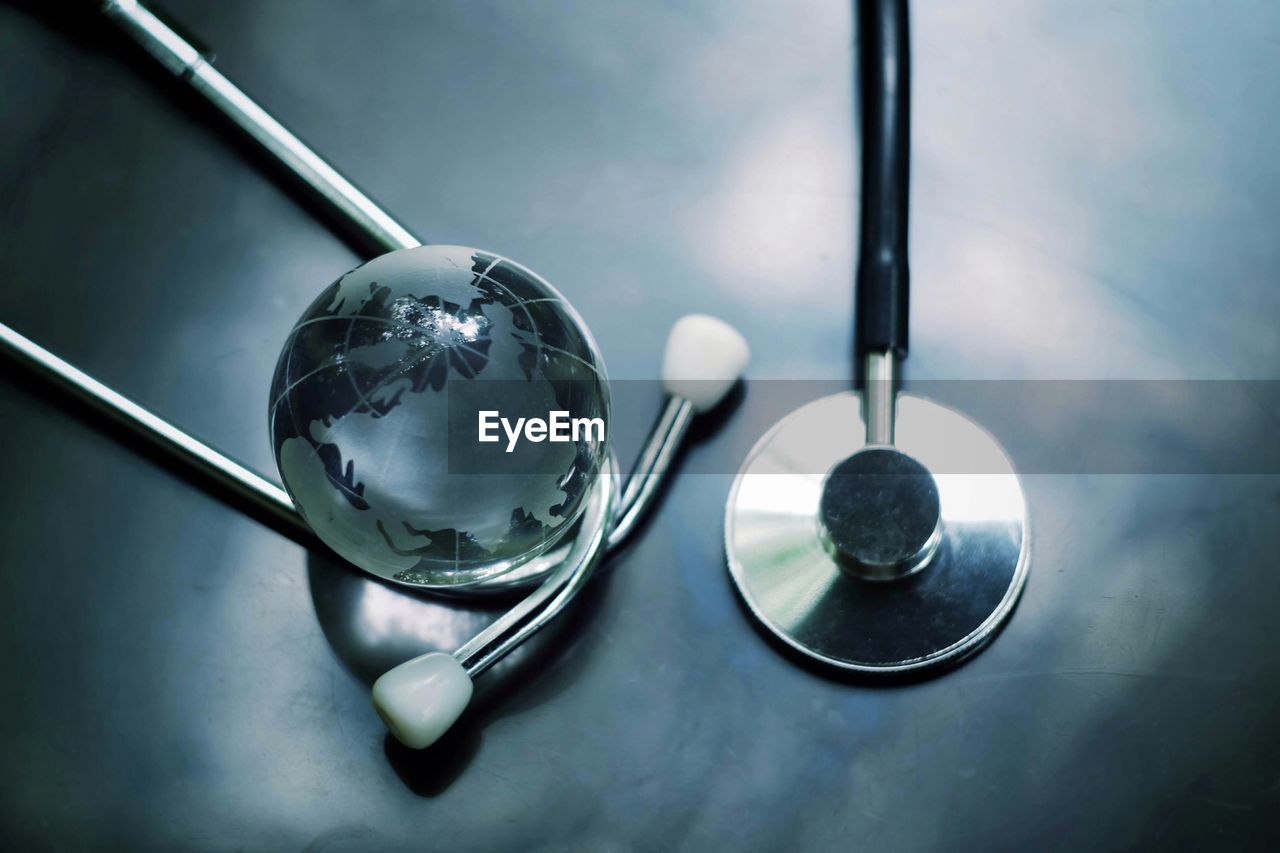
[
  {"x": 206, "y": 460},
  {"x": 184, "y": 60},
  {"x": 602, "y": 535},
  {"x": 651, "y": 467},
  {"x": 542, "y": 605}
]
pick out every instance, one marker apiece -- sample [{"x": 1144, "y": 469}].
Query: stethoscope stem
[
  {"x": 179, "y": 56},
  {"x": 883, "y": 277},
  {"x": 881, "y": 378}
]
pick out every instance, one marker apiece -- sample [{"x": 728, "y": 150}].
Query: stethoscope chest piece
[{"x": 878, "y": 558}]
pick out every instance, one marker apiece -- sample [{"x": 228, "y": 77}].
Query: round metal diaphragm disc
[
  {"x": 881, "y": 514},
  {"x": 793, "y": 584}
]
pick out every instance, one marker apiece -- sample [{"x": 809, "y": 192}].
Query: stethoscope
[
  {"x": 851, "y": 552},
  {"x": 880, "y": 533}
]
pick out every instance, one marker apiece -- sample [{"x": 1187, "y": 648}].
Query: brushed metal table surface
[{"x": 1095, "y": 196}]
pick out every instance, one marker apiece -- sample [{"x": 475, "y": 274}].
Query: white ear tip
[
  {"x": 705, "y": 356},
  {"x": 421, "y": 698}
]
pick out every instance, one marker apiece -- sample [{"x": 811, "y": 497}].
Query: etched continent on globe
[{"x": 360, "y": 415}]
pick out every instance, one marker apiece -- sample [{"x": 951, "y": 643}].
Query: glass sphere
[{"x": 378, "y": 401}]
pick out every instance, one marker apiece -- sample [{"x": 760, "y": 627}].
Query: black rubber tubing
[{"x": 883, "y": 278}]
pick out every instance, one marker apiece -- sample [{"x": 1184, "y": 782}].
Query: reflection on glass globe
[{"x": 374, "y": 404}]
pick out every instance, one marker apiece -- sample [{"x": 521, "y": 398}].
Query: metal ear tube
[{"x": 185, "y": 61}]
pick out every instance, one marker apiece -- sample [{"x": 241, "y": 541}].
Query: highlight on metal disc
[{"x": 792, "y": 579}]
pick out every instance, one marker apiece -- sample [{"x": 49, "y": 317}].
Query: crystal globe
[{"x": 380, "y": 396}]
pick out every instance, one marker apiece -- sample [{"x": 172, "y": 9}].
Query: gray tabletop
[{"x": 1095, "y": 196}]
